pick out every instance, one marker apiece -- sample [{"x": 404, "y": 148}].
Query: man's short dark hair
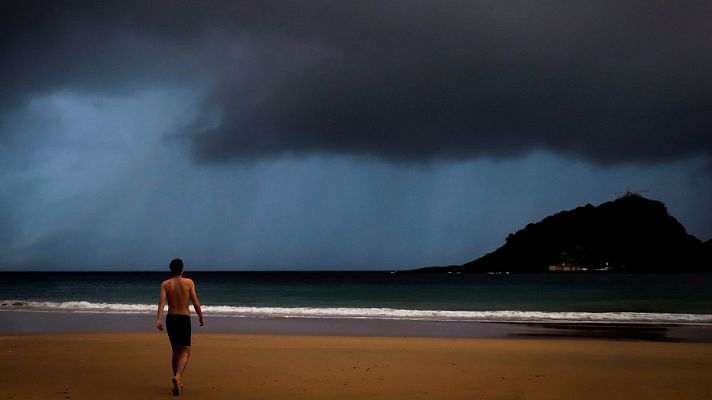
[{"x": 177, "y": 266}]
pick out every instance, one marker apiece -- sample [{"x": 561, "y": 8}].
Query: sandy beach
[{"x": 246, "y": 366}]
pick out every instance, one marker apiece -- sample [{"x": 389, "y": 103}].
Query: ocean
[{"x": 538, "y": 298}]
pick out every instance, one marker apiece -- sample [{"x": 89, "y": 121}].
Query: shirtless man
[{"x": 178, "y": 291}]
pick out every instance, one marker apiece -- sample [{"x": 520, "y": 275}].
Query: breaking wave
[{"x": 370, "y": 313}]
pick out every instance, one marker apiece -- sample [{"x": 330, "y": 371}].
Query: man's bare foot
[{"x": 176, "y": 386}]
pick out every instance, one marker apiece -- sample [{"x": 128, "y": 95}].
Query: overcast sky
[{"x": 338, "y": 135}]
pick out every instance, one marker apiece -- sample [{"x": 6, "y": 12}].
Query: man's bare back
[{"x": 179, "y": 291}]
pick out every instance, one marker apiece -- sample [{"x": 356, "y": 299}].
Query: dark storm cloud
[{"x": 610, "y": 82}]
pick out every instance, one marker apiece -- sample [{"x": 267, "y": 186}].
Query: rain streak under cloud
[{"x": 314, "y": 135}]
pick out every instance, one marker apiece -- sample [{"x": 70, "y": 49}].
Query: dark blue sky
[{"x": 323, "y": 135}]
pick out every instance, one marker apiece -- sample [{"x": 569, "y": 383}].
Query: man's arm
[
  {"x": 161, "y": 304},
  {"x": 196, "y": 303}
]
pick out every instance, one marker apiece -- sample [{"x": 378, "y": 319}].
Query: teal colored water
[{"x": 644, "y": 293}]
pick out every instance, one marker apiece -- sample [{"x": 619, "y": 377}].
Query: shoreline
[
  {"x": 38, "y": 322},
  {"x": 248, "y": 366}
]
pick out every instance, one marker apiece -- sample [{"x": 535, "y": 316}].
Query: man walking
[{"x": 178, "y": 291}]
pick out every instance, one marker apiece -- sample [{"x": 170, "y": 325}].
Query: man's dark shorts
[{"x": 178, "y": 327}]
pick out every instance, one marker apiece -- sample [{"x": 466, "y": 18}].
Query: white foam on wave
[
  {"x": 75, "y": 306},
  {"x": 371, "y": 313}
]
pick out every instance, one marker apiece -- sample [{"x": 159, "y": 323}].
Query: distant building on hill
[{"x": 563, "y": 267}]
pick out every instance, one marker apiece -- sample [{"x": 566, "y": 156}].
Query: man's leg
[
  {"x": 183, "y": 360},
  {"x": 182, "y": 357},
  {"x": 174, "y": 358},
  {"x": 175, "y": 362}
]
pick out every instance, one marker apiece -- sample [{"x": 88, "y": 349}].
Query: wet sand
[
  {"x": 18, "y": 322},
  {"x": 248, "y": 366}
]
